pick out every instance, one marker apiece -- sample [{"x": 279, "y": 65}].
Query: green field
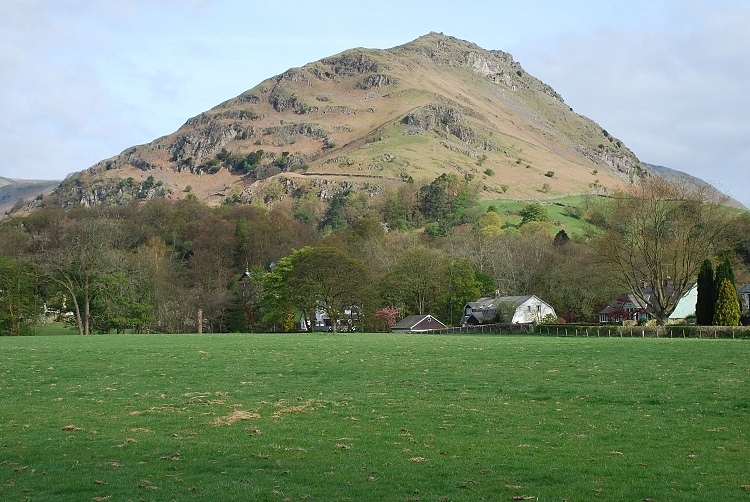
[
  {"x": 373, "y": 417},
  {"x": 559, "y": 211}
]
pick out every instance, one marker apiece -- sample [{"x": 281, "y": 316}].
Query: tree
[
  {"x": 464, "y": 286},
  {"x": 18, "y": 306},
  {"x": 327, "y": 277},
  {"x": 446, "y": 200},
  {"x": 276, "y": 297},
  {"x": 385, "y": 318},
  {"x": 419, "y": 281},
  {"x": 74, "y": 253},
  {"x": 724, "y": 271},
  {"x": 727, "y": 307},
  {"x": 657, "y": 234},
  {"x": 561, "y": 238},
  {"x": 118, "y": 305},
  {"x": 533, "y": 212},
  {"x": 490, "y": 224},
  {"x": 706, "y": 302},
  {"x": 334, "y": 216},
  {"x": 575, "y": 283}
]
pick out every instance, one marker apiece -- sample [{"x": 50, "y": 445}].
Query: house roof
[
  {"x": 410, "y": 321},
  {"x": 622, "y": 298},
  {"x": 684, "y": 308},
  {"x": 745, "y": 289},
  {"x": 493, "y": 301}
]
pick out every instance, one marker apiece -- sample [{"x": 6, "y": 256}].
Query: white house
[
  {"x": 745, "y": 296},
  {"x": 629, "y": 307},
  {"x": 507, "y": 309},
  {"x": 322, "y": 321}
]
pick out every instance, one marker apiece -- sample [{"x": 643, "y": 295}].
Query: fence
[
  {"x": 604, "y": 331},
  {"x": 494, "y": 329}
]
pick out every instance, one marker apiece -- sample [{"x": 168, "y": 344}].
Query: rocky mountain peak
[{"x": 372, "y": 119}]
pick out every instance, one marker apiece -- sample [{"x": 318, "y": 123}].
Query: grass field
[
  {"x": 373, "y": 417},
  {"x": 557, "y": 209}
]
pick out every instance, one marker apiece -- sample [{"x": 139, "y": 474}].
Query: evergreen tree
[
  {"x": 335, "y": 214},
  {"x": 724, "y": 271},
  {"x": 727, "y": 307},
  {"x": 704, "y": 306}
]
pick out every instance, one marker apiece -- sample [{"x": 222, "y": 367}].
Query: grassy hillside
[{"x": 373, "y": 417}]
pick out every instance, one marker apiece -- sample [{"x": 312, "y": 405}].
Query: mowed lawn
[{"x": 373, "y": 417}]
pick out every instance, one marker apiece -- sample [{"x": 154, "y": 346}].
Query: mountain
[
  {"x": 671, "y": 174},
  {"x": 12, "y": 191},
  {"x": 365, "y": 120}
]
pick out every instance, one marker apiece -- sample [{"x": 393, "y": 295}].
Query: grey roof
[
  {"x": 410, "y": 321},
  {"x": 745, "y": 289},
  {"x": 616, "y": 306},
  {"x": 493, "y": 301}
]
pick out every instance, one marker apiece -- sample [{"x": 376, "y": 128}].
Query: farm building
[{"x": 507, "y": 309}]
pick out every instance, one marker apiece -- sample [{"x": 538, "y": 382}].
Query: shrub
[
  {"x": 573, "y": 212},
  {"x": 550, "y": 174},
  {"x": 534, "y": 212}
]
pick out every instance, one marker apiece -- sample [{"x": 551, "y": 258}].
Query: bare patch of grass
[{"x": 236, "y": 416}]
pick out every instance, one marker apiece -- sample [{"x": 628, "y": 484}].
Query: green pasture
[
  {"x": 373, "y": 417},
  {"x": 559, "y": 211}
]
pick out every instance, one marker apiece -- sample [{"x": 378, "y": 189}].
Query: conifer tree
[
  {"x": 727, "y": 307},
  {"x": 706, "y": 302},
  {"x": 724, "y": 271}
]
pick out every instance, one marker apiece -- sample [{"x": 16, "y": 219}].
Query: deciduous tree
[
  {"x": 419, "y": 281},
  {"x": 658, "y": 233},
  {"x": 74, "y": 253},
  {"x": 326, "y": 276},
  {"x": 18, "y": 305}
]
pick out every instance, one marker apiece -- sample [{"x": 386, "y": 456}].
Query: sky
[{"x": 82, "y": 80}]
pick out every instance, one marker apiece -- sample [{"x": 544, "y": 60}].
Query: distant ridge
[
  {"x": 14, "y": 190},
  {"x": 668, "y": 173}
]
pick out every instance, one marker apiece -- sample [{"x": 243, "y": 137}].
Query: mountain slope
[
  {"x": 12, "y": 191},
  {"x": 671, "y": 174},
  {"x": 367, "y": 119}
]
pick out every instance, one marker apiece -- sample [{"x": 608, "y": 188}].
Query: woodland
[{"x": 152, "y": 266}]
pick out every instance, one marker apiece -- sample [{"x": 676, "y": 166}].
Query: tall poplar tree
[
  {"x": 706, "y": 302},
  {"x": 724, "y": 271}
]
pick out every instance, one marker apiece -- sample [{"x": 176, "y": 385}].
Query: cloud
[
  {"x": 675, "y": 94},
  {"x": 83, "y": 79}
]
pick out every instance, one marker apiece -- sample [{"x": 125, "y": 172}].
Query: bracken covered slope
[{"x": 368, "y": 119}]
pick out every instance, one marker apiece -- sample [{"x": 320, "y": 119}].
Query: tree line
[{"x": 151, "y": 266}]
